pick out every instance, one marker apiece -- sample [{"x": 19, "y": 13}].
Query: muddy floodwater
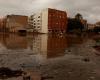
[{"x": 49, "y": 57}]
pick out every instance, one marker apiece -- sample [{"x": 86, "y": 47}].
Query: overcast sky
[{"x": 88, "y": 8}]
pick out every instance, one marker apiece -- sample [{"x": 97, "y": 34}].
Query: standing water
[{"x": 48, "y": 57}]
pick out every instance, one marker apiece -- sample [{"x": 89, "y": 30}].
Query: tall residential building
[
  {"x": 16, "y": 23},
  {"x": 49, "y": 20},
  {"x": 35, "y": 22}
]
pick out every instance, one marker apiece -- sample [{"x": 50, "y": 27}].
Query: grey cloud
[{"x": 88, "y": 8}]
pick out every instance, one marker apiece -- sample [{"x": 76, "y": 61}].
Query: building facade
[
  {"x": 16, "y": 23},
  {"x": 57, "y": 21},
  {"x": 1, "y": 25},
  {"x": 49, "y": 21},
  {"x": 85, "y": 24},
  {"x": 91, "y": 26}
]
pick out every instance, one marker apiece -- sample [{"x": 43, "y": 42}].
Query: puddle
[
  {"x": 40, "y": 49},
  {"x": 8, "y": 73}
]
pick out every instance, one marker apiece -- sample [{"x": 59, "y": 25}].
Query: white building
[
  {"x": 49, "y": 20},
  {"x": 39, "y": 21}
]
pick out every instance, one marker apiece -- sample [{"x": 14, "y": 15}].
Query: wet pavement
[{"x": 49, "y": 57}]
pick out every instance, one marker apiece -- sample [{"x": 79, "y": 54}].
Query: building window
[
  {"x": 38, "y": 27},
  {"x": 31, "y": 19},
  {"x": 34, "y": 26},
  {"x": 38, "y": 16},
  {"x": 38, "y": 20}
]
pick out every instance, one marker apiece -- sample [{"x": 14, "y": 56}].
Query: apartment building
[
  {"x": 49, "y": 21},
  {"x": 57, "y": 21},
  {"x": 16, "y": 23}
]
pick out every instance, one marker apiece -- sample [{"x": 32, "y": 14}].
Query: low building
[
  {"x": 16, "y": 23},
  {"x": 1, "y": 25},
  {"x": 85, "y": 24},
  {"x": 97, "y": 24},
  {"x": 49, "y": 20},
  {"x": 91, "y": 26}
]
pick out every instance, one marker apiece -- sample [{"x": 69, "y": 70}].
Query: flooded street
[{"x": 49, "y": 57}]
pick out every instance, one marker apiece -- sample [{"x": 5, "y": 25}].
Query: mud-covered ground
[{"x": 79, "y": 59}]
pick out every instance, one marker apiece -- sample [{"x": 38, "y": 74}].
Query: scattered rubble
[{"x": 8, "y": 73}]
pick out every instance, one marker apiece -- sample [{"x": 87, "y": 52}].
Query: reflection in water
[
  {"x": 43, "y": 47},
  {"x": 56, "y": 46},
  {"x": 48, "y": 46},
  {"x": 30, "y": 75},
  {"x": 15, "y": 42}
]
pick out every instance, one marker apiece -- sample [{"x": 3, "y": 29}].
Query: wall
[
  {"x": 50, "y": 20},
  {"x": 16, "y": 22},
  {"x": 44, "y": 21},
  {"x": 57, "y": 20}
]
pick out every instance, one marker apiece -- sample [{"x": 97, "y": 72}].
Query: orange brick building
[
  {"x": 57, "y": 20},
  {"x": 49, "y": 21}
]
